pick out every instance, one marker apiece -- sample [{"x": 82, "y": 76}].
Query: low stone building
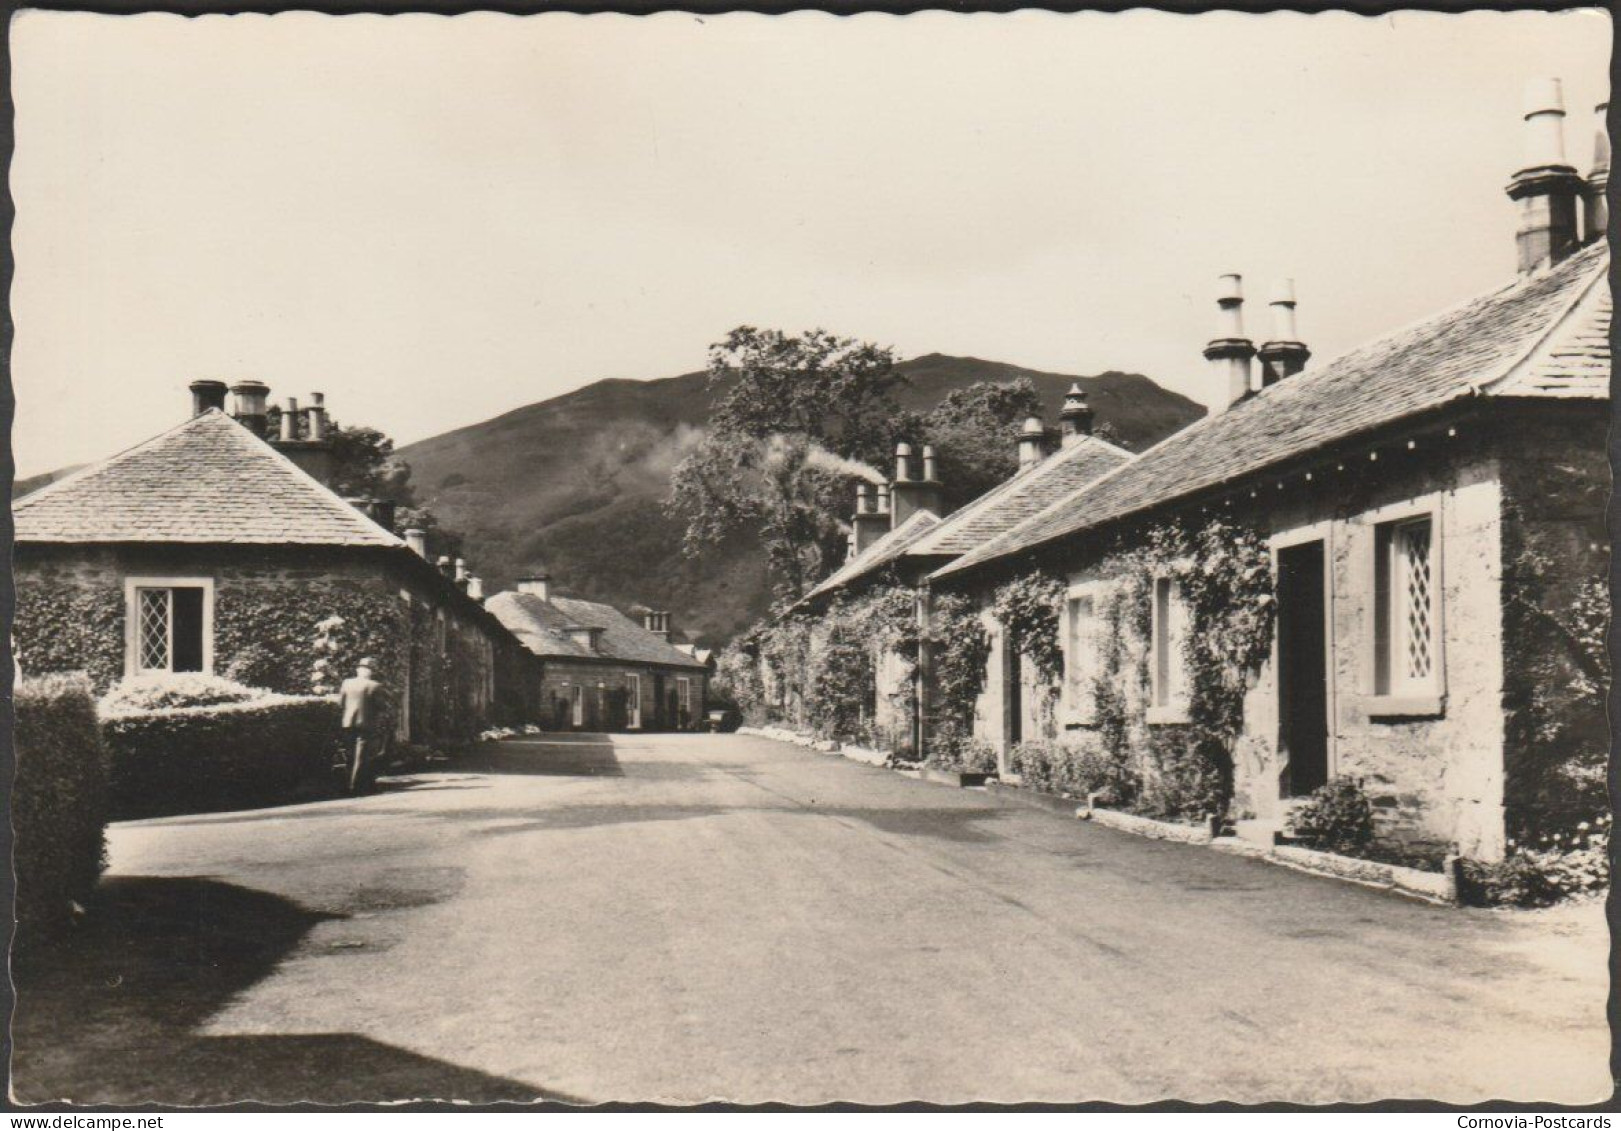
[
  {"x": 901, "y": 532},
  {"x": 599, "y": 670},
  {"x": 1400, "y": 552},
  {"x": 207, "y": 549}
]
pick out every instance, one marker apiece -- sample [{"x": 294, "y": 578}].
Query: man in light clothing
[{"x": 363, "y": 732}]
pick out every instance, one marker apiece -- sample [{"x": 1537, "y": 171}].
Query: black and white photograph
[{"x": 738, "y": 559}]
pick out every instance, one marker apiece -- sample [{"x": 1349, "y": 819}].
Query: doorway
[
  {"x": 1012, "y": 693},
  {"x": 634, "y": 697},
  {"x": 1302, "y": 668}
]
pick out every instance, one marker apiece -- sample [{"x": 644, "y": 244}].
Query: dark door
[
  {"x": 1013, "y": 694},
  {"x": 1302, "y": 669}
]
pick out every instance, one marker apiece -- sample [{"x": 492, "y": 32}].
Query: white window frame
[
  {"x": 1079, "y": 702},
  {"x": 683, "y": 698},
  {"x": 577, "y": 705},
  {"x": 132, "y": 619},
  {"x": 1398, "y": 698},
  {"x": 1168, "y": 693},
  {"x": 633, "y": 689}
]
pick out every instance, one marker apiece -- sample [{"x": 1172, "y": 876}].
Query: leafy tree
[
  {"x": 364, "y": 466},
  {"x": 974, "y": 431},
  {"x": 796, "y": 420}
]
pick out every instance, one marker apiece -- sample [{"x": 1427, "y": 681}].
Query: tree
[
  {"x": 797, "y": 419},
  {"x": 364, "y": 466},
  {"x": 974, "y": 431}
]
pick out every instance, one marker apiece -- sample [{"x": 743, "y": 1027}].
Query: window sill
[
  {"x": 1076, "y": 722},
  {"x": 1173, "y": 714},
  {"x": 1399, "y": 707}
]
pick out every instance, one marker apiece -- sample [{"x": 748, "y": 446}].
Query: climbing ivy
[
  {"x": 961, "y": 648},
  {"x": 1029, "y": 609}
]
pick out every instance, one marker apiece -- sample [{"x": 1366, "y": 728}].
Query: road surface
[{"x": 681, "y": 918}]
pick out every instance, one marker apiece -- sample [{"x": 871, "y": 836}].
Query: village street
[{"x": 685, "y": 917}]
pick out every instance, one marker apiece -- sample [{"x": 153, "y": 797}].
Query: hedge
[
  {"x": 268, "y": 750},
  {"x": 58, "y": 800}
]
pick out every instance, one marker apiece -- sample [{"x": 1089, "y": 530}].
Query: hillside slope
[{"x": 578, "y": 482}]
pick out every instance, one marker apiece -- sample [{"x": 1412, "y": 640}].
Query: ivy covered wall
[{"x": 292, "y": 620}]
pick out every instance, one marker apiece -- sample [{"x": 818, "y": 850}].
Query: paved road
[{"x": 681, "y": 918}]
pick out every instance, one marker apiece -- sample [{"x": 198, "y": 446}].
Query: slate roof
[
  {"x": 1544, "y": 335},
  {"x": 1027, "y": 493},
  {"x": 542, "y": 625},
  {"x": 879, "y": 554},
  {"x": 208, "y": 480}
]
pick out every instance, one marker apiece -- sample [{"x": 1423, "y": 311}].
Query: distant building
[
  {"x": 599, "y": 669},
  {"x": 215, "y": 548}
]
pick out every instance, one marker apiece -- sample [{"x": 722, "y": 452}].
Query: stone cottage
[
  {"x": 900, "y": 533},
  {"x": 599, "y": 670},
  {"x": 1430, "y": 511},
  {"x": 213, "y": 548}
]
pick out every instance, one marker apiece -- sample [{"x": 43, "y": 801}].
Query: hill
[{"x": 578, "y": 482}]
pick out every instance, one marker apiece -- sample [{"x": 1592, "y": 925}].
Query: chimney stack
[
  {"x": 1032, "y": 442},
  {"x": 1230, "y": 351},
  {"x": 313, "y": 452},
  {"x": 417, "y": 539},
  {"x": 536, "y": 585},
  {"x": 1547, "y": 187},
  {"x": 250, "y": 408},
  {"x": 1598, "y": 179},
  {"x": 870, "y": 523},
  {"x": 1075, "y": 418},
  {"x": 908, "y": 495},
  {"x": 206, "y": 394},
  {"x": 1285, "y": 355}
]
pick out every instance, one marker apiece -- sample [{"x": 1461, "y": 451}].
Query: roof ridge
[{"x": 1539, "y": 345}]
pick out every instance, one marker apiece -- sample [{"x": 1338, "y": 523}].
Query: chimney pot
[
  {"x": 883, "y": 498},
  {"x": 930, "y": 468},
  {"x": 205, "y": 395},
  {"x": 475, "y": 589},
  {"x": 1230, "y": 351},
  {"x": 863, "y": 498},
  {"x": 250, "y": 407},
  {"x": 461, "y": 569},
  {"x": 1547, "y": 189},
  {"x": 1032, "y": 441},
  {"x": 903, "y": 462},
  {"x": 317, "y": 416},
  {"x": 444, "y": 565},
  {"x": 1597, "y": 217},
  {"x": 1285, "y": 355},
  {"x": 289, "y": 421},
  {"x": 417, "y": 539},
  {"x": 1075, "y": 420}
]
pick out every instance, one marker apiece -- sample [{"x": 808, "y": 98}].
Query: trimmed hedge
[
  {"x": 262, "y": 752},
  {"x": 58, "y": 799}
]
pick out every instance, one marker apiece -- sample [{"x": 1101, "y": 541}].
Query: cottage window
[
  {"x": 1406, "y": 610},
  {"x": 578, "y": 695},
  {"x": 633, "y": 698},
  {"x": 1168, "y": 683},
  {"x": 170, "y": 625},
  {"x": 683, "y": 698},
  {"x": 1081, "y": 643}
]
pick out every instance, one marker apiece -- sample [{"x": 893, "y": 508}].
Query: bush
[
  {"x": 1555, "y": 866},
  {"x": 166, "y": 691},
  {"x": 265, "y": 750},
  {"x": 962, "y": 753},
  {"x": 58, "y": 799},
  {"x": 1337, "y": 817},
  {"x": 1078, "y": 771}
]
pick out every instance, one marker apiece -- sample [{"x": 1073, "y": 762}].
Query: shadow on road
[
  {"x": 563, "y": 755},
  {"x": 112, "y": 1014}
]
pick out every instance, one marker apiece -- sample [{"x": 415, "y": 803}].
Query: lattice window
[
  {"x": 1081, "y": 660},
  {"x": 152, "y": 628},
  {"x": 1416, "y": 626}
]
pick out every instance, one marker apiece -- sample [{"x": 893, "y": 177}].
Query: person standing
[{"x": 362, "y": 700}]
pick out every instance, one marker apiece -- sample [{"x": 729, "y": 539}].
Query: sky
[{"x": 435, "y": 220}]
